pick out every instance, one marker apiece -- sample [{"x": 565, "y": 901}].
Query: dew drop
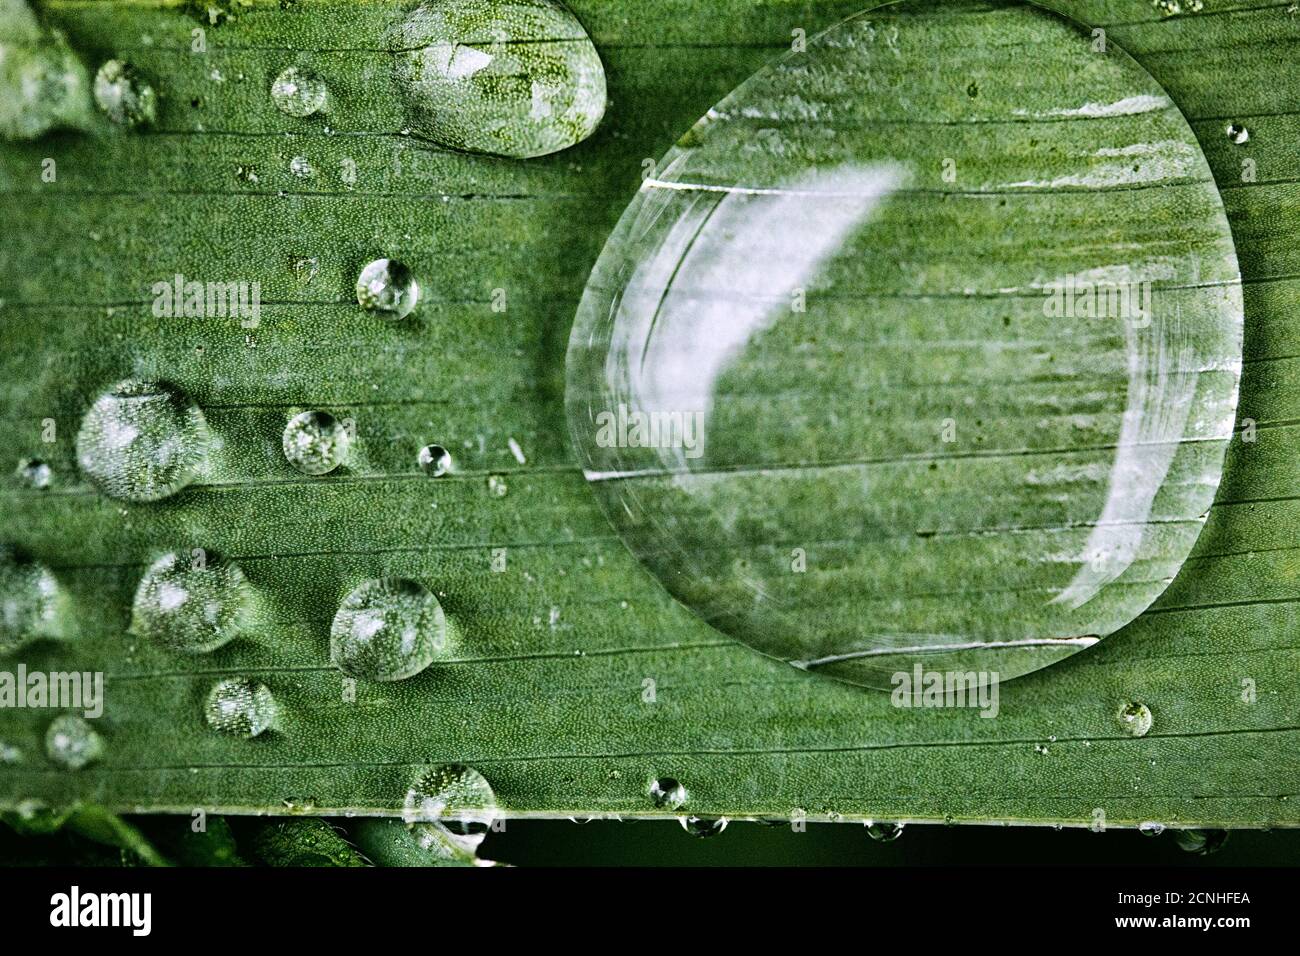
[
  {"x": 42, "y": 84},
  {"x": 450, "y": 810},
  {"x": 388, "y": 288},
  {"x": 142, "y": 441},
  {"x": 1151, "y": 828},
  {"x": 703, "y": 827},
  {"x": 434, "y": 460},
  {"x": 240, "y": 707},
  {"x": 305, "y": 269},
  {"x": 193, "y": 606},
  {"x": 316, "y": 442},
  {"x": 515, "y": 78},
  {"x": 124, "y": 96},
  {"x": 1135, "y": 719},
  {"x": 1201, "y": 842},
  {"x": 34, "y": 473},
  {"x": 32, "y": 605},
  {"x": 301, "y": 167},
  {"x": 884, "y": 832},
  {"x": 668, "y": 793},
  {"x": 388, "y": 629},
  {"x": 497, "y": 486},
  {"x": 791, "y": 388},
  {"x": 72, "y": 743},
  {"x": 299, "y": 92},
  {"x": 1237, "y": 133},
  {"x": 9, "y": 754}
]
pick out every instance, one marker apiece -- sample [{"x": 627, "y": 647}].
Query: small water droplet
[
  {"x": 124, "y": 96},
  {"x": 9, "y": 754},
  {"x": 299, "y": 92},
  {"x": 388, "y": 629},
  {"x": 190, "y": 605},
  {"x": 316, "y": 442},
  {"x": 32, "y": 604},
  {"x": 142, "y": 441},
  {"x": 34, "y": 473},
  {"x": 434, "y": 460},
  {"x": 884, "y": 832},
  {"x": 1201, "y": 842},
  {"x": 703, "y": 827},
  {"x": 301, "y": 167},
  {"x": 513, "y": 78},
  {"x": 497, "y": 487},
  {"x": 72, "y": 743},
  {"x": 1151, "y": 828},
  {"x": 1135, "y": 719},
  {"x": 668, "y": 793},
  {"x": 240, "y": 706},
  {"x": 450, "y": 810},
  {"x": 387, "y": 287},
  {"x": 1237, "y": 133}
]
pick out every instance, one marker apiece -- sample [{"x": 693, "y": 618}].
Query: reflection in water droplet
[
  {"x": 124, "y": 95},
  {"x": 434, "y": 461},
  {"x": 667, "y": 792},
  {"x": 240, "y": 706},
  {"x": 1237, "y": 133},
  {"x": 387, "y": 287},
  {"x": 72, "y": 743},
  {"x": 1136, "y": 719},
  {"x": 299, "y": 92},
  {"x": 884, "y": 832},
  {"x": 42, "y": 84},
  {"x": 388, "y": 629},
  {"x": 1201, "y": 842},
  {"x": 192, "y": 605},
  {"x": 514, "y": 78},
  {"x": 1151, "y": 828},
  {"x": 316, "y": 442},
  {"x": 32, "y": 605},
  {"x": 827, "y": 394},
  {"x": 703, "y": 827},
  {"x": 450, "y": 810},
  {"x": 34, "y": 473},
  {"x": 142, "y": 441}
]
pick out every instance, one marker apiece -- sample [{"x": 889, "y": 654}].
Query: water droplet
[
  {"x": 301, "y": 167},
  {"x": 306, "y": 269},
  {"x": 124, "y": 95},
  {"x": 9, "y": 754},
  {"x": 240, "y": 706},
  {"x": 299, "y": 92},
  {"x": 1201, "y": 842},
  {"x": 884, "y": 832},
  {"x": 32, "y": 605},
  {"x": 316, "y": 442},
  {"x": 142, "y": 441},
  {"x": 1151, "y": 828},
  {"x": 190, "y": 605},
  {"x": 497, "y": 487},
  {"x": 42, "y": 84},
  {"x": 1135, "y": 719},
  {"x": 792, "y": 391},
  {"x": 668, "y": 793},
  {"x": 1237, "y": 133},
  {"x": 513, "y": 78},
  {"x": 450, "y": 810},
  {"x": 434, "y": 460},
  {"x": 388, "y": 629},
  {"x": 703, "y": 827},
  {"x": 34, "y": 473},
  {"x": 387, "y": 286},
  {"x": 72, "y": 743}
]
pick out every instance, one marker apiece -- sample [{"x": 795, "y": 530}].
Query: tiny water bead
[
  {"x": 1201, "y": 842},
  {"x": 1237, "y": 133},
  {"x": 1135, "y": 719},
  {"x": 516, "y": 78},
  {"x": 34, "y": 473},
  {"x": 884, "y": 832},
  {"x": 299, "y": 92},
  {"x": 387, "y": 287},
  {"x": 388, "y": 629},
  {"x": 667, "y": 793},
  {"x": 141, "y": 441},
  {"x": 192, "y": 604},
  {"x": 1151, "y": 828},
  {"x": 871, "y": 392},
  {"x": 32, "y": 605},
  {"x": 124, "y": 96},
  {"x": 434, "y": 461},
  {"x": 703, "y": 827},
  {"x": 316, "y": 442},
  {"x": 450, "y": 810},
  {"x": 72, "y": 743},
  {"x": 240, "y": 706}
]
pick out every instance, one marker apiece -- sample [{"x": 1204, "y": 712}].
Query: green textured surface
[{"x": 553, "y": 713}]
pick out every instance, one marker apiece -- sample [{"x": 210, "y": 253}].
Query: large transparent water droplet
[
  {"x": 316, "y": 442},
  {"x": 1136, "y": 719},
  {"x": 434, "y": 460},
  {"x": 32, "y": 605},
  {"x": 703, "y": 827},
  {"x": 42, "y": 84},
  {"x": 240, "y": 706},
  {"x": 34, "y": 473},
  {"x": 884, "y": 832},
  {"x": 890, "y": 365},
  {"x": 124, "y": 95},
  {"x": 193, "y": 604},
  {"x": 299, "y": 92},
  {"x": 450, "y": 810},
  {"x": 387, "y": 287},
  {"x": 508, "y": 77},
  {"x": 142, "y": 441},
  {"x": 72, "y": 743},
  {"x": 388, "y": 629}
]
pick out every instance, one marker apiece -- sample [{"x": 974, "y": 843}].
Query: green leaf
[
  {"x": 577, "y": 680},
  {"x": 303, "y": 842}
]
